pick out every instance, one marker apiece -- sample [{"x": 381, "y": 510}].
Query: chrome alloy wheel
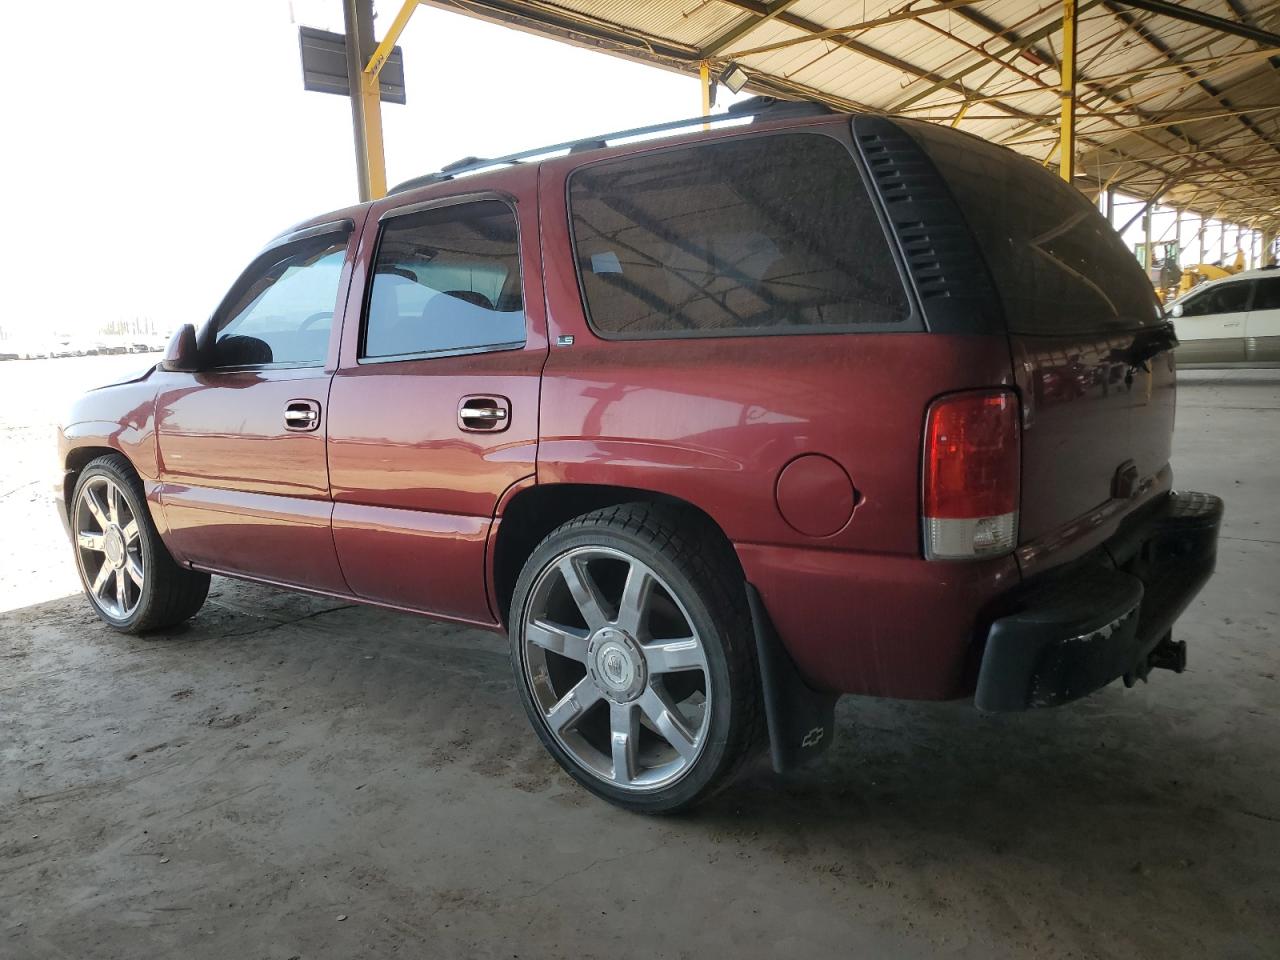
[
  {"x": 109, "y": 548},
  {"x": 617, "y": 668}
]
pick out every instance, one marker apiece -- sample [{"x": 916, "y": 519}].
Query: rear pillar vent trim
[{"x": 942, "y": 258}]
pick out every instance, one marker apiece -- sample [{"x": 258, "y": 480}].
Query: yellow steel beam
[
  {"x": 1206, "y": 67},
  {"x": 736, "y": 33},
  {"x": 1183, "y": 120},
  {"x": 1052, "y": 150},
  {"x": 1067, "y": 136},
  {"x": 375, "y": 155},
  {"x": 380, "y": 55},
  {"x": 859, "y": 27},
  {"x": 371, "y": 154},
  {"x": 704, "y": 80},
  {"x": 1084, "y": 117}
]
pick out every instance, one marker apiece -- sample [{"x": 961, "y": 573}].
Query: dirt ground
[{"x": 289, "y": 777}]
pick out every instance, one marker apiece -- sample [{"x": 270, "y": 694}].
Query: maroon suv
[{"x": 717, "y": 427}]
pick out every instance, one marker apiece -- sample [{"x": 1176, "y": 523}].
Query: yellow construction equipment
[{"x": 1201, "y": 272}]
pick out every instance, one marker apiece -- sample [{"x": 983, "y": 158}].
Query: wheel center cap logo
[
  {"x": 113, "y": 546},
  {"x": 616, "y": 665}
]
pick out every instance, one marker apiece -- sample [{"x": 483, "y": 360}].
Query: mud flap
[{"x": 801, "y": 720}]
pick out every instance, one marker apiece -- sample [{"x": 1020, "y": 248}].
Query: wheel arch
[
  {"x": 77, "y": 458},
  {"x": 536, "y": 510},
  {"x": 80, "y": 451}
]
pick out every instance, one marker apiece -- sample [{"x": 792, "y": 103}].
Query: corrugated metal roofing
[{"x": 1163, "y": 106}]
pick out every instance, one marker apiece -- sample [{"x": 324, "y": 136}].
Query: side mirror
[
  {"x": 182, "y": 355},
  {"x": 1175, "y": 311}
]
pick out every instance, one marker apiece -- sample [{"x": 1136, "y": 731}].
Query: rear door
[
  {"x": 434, "y": 408},
  {"x": 241, "y": 442},
  {"x": 1212, "y": 323},
  {"x": 1262, "y": 328},
  {"x": 1089, "y": 346}
]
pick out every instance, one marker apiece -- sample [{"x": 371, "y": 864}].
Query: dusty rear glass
[
  {"x": 771, "y": 234},
  {"x": 1059, "y": 266}
]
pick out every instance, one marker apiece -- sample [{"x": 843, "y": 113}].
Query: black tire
[
  {"x": 169, "y": 593},
  {"x": 702, "y": 574}
]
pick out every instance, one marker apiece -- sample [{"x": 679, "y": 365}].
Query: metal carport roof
[{"x": 1174, "y": 101}]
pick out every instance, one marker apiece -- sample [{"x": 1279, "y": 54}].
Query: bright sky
[{"x": 155, "y": 145}]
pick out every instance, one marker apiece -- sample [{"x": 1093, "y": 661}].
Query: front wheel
[
  {"x": 129, "y": 576},
  {"x": 632, "y": 651}
]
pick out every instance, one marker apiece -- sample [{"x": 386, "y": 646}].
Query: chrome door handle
[
  {"x": 484, "y": 413},
  {"x": 301, "y": 415}
]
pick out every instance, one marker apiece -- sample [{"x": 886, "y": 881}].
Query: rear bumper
[
  {"x": 1072, "y": 632},
  {"x": 882, "y": 625}
]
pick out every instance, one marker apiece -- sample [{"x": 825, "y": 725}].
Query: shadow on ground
[{"x": 236, "y": 787}]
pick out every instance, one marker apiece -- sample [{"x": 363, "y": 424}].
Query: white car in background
[{"x": 1232, "y": 320}]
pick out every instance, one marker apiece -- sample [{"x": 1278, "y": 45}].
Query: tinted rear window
[
  {"x": 1267, "y": 296},
  {"x": 771, "y": 234},
  {"x": 1229, "y": 297},
  {"x": 1059, "y": 266}
]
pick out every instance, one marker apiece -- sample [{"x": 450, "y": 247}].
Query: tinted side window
[
  {"x": 1194, "y": 305},
  {"x": 1227, "y": 298},
  {"x": 1059, "y": 266},
  {"x": 281, "y": 309},
  {"x": 1266, "y": 295},
  {"x": 772, "y": 234},
  {"x": 446, "y": 280}
]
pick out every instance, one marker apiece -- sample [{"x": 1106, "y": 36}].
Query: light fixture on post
[{"x": 733, "y": 77}]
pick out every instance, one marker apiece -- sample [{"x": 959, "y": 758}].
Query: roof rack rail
[
  {"x": 770, "y": 108},
  {"x": 758, "y": 108}
]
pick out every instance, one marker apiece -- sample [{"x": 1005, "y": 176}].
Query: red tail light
[{"x": 971, "y": 467}]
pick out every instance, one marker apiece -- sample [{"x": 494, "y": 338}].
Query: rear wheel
[
  {"x": 633, "y": 655},
  {"x": 129, "y": 576}
]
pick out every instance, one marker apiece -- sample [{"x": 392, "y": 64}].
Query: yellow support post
[
  {"x": 1067, "y": 137},
  {"x": 704, "y": 78},
  {"x": 366, "y": 104},
  {"x": 375, "y": 155}
]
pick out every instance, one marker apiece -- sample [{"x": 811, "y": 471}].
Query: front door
[
  {"x": 434, "y": 407},
  {"x": 1211, "y": 326},
  {"x": 241, "y": 442}
]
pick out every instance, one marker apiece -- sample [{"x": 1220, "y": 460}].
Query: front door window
[{"x": 281, "y": 309}]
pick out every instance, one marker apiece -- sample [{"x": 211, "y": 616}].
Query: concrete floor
[{"x": 292, "y": 777}]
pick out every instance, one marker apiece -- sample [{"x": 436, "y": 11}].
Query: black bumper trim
[{"x": 1073, "y": 633}]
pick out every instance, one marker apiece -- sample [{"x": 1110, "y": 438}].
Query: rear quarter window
[
  {"x": 1267, "y": 294},
  {"x": 1059, "y": 266},
  {"x": 762, "y": 235}
]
